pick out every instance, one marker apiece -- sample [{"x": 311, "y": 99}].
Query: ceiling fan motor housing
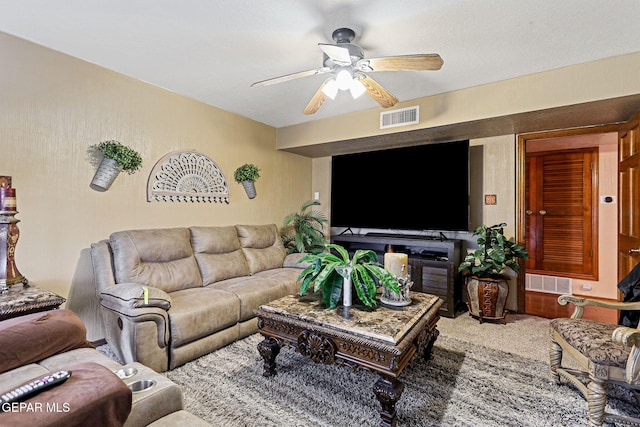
[{"x": 343, "y": 38}]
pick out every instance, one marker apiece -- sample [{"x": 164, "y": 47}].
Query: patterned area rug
[{"x": 462, "y": 385}]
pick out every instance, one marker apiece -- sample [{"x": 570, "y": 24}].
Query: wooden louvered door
[
  {"x": 629, "y": 189},
  {"x": 561, "y": 213}
]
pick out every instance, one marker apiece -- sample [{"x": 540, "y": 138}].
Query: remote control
[{"x": 27, "y": 390}]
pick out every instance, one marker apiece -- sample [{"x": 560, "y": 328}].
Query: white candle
[{"x": 397, "y": 264}]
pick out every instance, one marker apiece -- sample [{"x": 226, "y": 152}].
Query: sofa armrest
[
  {"x": 156, "y": 315},
  {"x": 293, "y": 260},
  {"x": 134, "y": 295}
]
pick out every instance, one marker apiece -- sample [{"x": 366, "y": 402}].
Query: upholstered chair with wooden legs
[{"x": 606, "y": 354}]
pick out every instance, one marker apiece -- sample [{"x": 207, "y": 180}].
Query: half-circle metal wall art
[{"x": 187, "y": 176}]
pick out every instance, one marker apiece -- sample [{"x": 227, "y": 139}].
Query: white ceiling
[{"x": 212, "y": 50}]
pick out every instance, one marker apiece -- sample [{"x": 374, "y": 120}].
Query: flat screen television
[{"x": 423, "y": 187}]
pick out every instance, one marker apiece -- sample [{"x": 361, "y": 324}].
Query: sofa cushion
[
  {"x": 252, "y": 292},
  {"x": 161, "y": 258},
  {"x": 196, "y": 313},
  {"x": 287, "y": 276},
  {"x": 33, "y": 337},
  {"x": 218, "y": 253},
  {"x": 261, "y": 246}
]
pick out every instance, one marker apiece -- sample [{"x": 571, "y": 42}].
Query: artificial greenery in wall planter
[
  {"x": 117, "y": 157},
  {"x": 246, "y": 175}
]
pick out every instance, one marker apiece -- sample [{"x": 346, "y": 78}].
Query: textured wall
[{"x": 54, "y": 107}]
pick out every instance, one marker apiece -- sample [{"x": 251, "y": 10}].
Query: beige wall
[{"x": 54, "y": 107}]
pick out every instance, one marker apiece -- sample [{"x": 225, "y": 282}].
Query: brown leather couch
[
  {"x": 171, "y": 295},
  {"x": 35, "y": 345}
]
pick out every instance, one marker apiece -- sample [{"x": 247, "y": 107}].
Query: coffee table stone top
[{"x": 388, "y": 325}]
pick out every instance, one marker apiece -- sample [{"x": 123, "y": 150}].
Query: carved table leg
[
  {"x": 425, "y": 342},
  {"x": 269, "y": 349},
  {"x": 388, "y": 391}
]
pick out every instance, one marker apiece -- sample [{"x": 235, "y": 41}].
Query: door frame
[{"x": 521, "y": 142}]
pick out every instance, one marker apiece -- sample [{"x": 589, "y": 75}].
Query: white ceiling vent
[{"x": 400, "y": 117}]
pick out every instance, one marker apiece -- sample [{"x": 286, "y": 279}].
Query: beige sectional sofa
[{"x": 171, "y": 295}]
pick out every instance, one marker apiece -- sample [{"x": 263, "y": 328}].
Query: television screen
[{"x": 424, "y": 187}]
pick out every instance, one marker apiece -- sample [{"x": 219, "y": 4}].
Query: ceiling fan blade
[
  {"x": 339, "y": 55},
  {"x": 316, "y": 101},
  {"x": 293, "y": 76},
  {"x": 420, "y": 62},
  {"x": 377, "y": 92}
]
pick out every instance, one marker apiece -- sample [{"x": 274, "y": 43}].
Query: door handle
[
  {"x": 543, "y": 212},
  {"x": 529, "y": 212},
  {"x": 634, "y": 251}
]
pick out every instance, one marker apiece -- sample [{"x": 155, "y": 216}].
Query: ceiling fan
[{"x": 348, "y": 66}]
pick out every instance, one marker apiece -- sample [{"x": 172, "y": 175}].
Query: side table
[{"x": 23, "y": 299}]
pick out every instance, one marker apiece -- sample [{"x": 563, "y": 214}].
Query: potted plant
[
  {"x": 485, "y": 269},
  {"x": 304, "y": 230},
  {"x": 335, "y": 273},
  {"x": 117, "y": 157},
  {"x": 246, "y": 175}
]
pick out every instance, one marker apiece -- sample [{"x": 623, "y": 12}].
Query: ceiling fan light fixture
[
  {"x": 330, "y": 88},
  {"x": 344, "y": 79},
  {"x": 356, "y": 88}
]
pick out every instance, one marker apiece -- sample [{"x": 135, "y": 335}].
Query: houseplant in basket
[
  {"x": 485, "y": 269},
  {"x": 117, "y": 157},
  {"x": 335, "y": 274},
  {"x": 246, "y": 175},
  {"x": 303, "y": 231}
]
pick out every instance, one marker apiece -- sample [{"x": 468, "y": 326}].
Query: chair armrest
[
  {"x": 629, "y": 337},
  {"x": 626, "y": 336},
  {"x": 580, "y": 303},
  {"x": 134, "y": 295}
]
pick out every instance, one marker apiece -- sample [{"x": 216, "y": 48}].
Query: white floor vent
[
  {"x": 400, "y": 117},
  {"x": 548, "y": 284}
]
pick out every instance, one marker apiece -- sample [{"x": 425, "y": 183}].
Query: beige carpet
[{"x": 524, "y": 335}]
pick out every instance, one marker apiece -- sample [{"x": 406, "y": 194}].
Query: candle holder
[
  {"x": 9, "y": 234},
  {"x": 402, "y": 299}
]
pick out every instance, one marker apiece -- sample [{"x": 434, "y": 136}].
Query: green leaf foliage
[
  {"x": 326, "y": 272},
  {"x": 126, "y": 157},
  {"x": 246, "y": 172},
  {"x": 495, "y": 253},
  {"x": 303, "y": 231}
]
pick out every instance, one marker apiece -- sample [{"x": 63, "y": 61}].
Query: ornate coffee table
[{"x": 382, "y": 340}]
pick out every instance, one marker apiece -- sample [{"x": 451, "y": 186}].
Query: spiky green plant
[
  {"x": 304, "y": 230},
  {"x": 494, "y": 255},
  {"x": 327, "y": 272}
]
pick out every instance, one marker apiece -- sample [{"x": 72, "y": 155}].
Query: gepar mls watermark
[{"x": 36, "y": 407}]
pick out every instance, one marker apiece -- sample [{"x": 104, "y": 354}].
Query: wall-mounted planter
[
  {"x": 107, "y": 172},
  {"x": 249, "y": 188}
]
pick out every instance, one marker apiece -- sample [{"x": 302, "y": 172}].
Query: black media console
[{"x": 433, "y": 263}]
